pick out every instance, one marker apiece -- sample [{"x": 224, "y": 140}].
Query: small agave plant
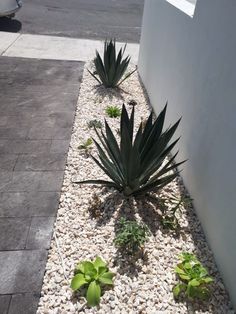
[
  {"x": 136, "y": 165},
  {"x": 110, "y": 71}
]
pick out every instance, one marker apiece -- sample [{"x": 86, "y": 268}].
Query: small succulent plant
[
  {"x": 169, "y": 220},
  {"x": 113, "y": 111},
  {"x": 194, "y": 278},
  {"x": 95, "y": 124},
  {"x": 131, "y": 236},
  {"x": 92, "y": 276},
  {"x": 86, "y": 144}
]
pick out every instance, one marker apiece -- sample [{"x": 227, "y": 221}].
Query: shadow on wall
[{"x": 9, "y": 25}]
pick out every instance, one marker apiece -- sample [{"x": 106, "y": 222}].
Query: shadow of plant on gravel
[
  {"x": 128, "y": 263},
  {"x": 104, "y": 209},
  {"x": 111, "y": 93},
  {"x": 150, "y": 209}
]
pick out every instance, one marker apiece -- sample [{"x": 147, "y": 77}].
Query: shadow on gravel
[
  {"x": 104, "y": 210},
  {"x": 116, "y": 92},
  {"x": 10, "y": 25},
  {"x": 150, "y": 209}
]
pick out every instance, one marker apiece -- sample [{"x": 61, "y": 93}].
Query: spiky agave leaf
[
  {"x": 136, "y": 165},
  {"x": 111, "y": 69}
]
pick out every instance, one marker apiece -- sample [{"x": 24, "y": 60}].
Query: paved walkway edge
[{"x": 55, "y": 48}]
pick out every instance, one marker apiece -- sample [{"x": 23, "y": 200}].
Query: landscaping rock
[{"x": 144, "y": 287}]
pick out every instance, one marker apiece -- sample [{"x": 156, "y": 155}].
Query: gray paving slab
[
  {"x": 45, "y": 133},
  {"x": 14, "y": 233},
  {"x": 40, "y": 233},
  {"x": 59, "y": 146},
  {"x": 23, "y": 303},
  {"x": 4, "y": 303},
  {"x": 57, "y": 118},
  {"x": 36, "y": 120},
  {"x": 22, "y": 271},
  {"x": 37, "y": 104},
  {"x": 96, "y": 19},
  {"x": 7, "y": 161},
  {"x": 29, "y": 204},
  {"x": 29, "y": 181},
  {"x": 25, "y": 146},
  {"x": 40, "y": 162},
  {"x": 12, "y": 133}
]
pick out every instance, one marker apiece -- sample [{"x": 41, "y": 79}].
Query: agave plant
[
  {"x": 111, "y": 69},
  {"x": 138, "y": 164}
]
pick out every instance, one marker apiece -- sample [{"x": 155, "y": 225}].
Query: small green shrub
[
  {"x": 93, "y": 276},
  {"x": 194, "y": 278},
  {"x": 86, "y": 145},
  {"x": 136, "y": 165},
  {"x": 169, "y": 220},
  {"x": 113, "y": 111},
  {"x": 111, "y": 69},
  {"x": 95, "y": 124},
  {"x": 131, "y": 236}
]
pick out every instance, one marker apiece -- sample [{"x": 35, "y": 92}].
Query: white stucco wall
[{"x": 191, "y": 62}]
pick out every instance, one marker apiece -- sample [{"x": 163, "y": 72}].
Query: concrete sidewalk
[{"x": 56, "y": 48}]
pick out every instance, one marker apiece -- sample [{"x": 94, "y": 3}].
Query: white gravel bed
[{"x": 144, "y": 288}]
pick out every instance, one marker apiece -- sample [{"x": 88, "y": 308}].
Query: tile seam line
[{"x": 4, "y": 51}]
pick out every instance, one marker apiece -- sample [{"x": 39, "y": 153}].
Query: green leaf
[
  {"x": 106, "y": 278},
  {"x": 102, "y": 270},
  {"x": 125, "y": 143},
  {"x": 95, "y": 77},
  {"x": 89, "y": 269},
  {"x": 203, "y": 272},
  {"x": 207, "y": 280},
  {"x": 179, "y": 270},
  {"x": 80, "y": 268},
  {"x": 109, "y": 167},
  {"x": 100, "y": 182},
  {"x": 187, "y": 265},
  {"x": 108, "y": 171},
  {"x": 113, "y": 150},
  {"x": 192, "y": 292},
  {"x": 203, "y": 293},
  {"x": 93, "y": 294},
  {"x": 99, "y": 263},
  {"x": 178, "y": 289},
  {"x": 160, "y": 183},
  {"x": 184, "y": 276},
  {"x": 194, "y": 282},
  {"x": 78, "y": 281}
]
